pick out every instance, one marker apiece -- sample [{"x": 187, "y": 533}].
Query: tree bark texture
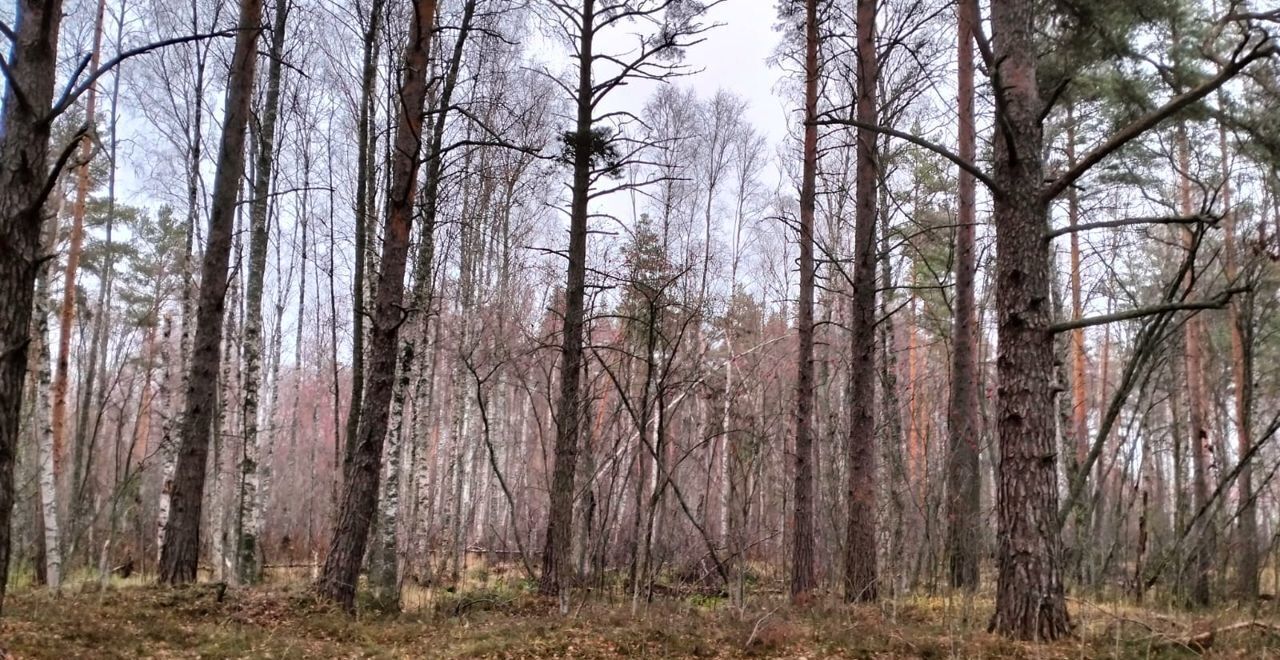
[
  {"x": 249, "y": 514},
  {"x": 67, "y": 313},
  {"x": 963, "y": 422},
  {"x": 556, "y": 564},
  {"x": 802, "y": 559},
  {"x": 358, "y": 502},
  {"x": 180, "y": 553},
  {"x": 860, "y": 582},
  {"x": 1030, "y": 600},
  {"x": 24, "y": 186}
]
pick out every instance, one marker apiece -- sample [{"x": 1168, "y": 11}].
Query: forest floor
[{"x": 134, "y": 619}]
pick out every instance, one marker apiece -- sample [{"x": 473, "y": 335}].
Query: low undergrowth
[{"x": 131, "y": 619}]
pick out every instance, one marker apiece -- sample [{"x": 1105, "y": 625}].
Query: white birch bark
[
  {"x": 425, "y": 470},
  {"x": 384, "y": 568},
  {"x": 460, "y": 461},
  {"x": 44, "y": 417},
  {"x": 169, "y": 405}
]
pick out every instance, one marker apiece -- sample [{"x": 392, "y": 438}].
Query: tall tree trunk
[
  {"x": 556, "y": 559},
  {"x": 423, "y": 296},
  {"x": 361, "y": 470},
  {"x": 295, "y": 417},
  {"x": 860, "y": 581},
  {"x": 24, "y": 178},
  {"x": 101, "y": 322},
  {"x": 1177, "y": 436},
  {"x": 891, "y": 442},
  {"x": 963, "y": 422},
  {"x": 1030, "y": 600},
  {"x": 650, "y": 457},
  {"x": 364, "y": 211},
  {"x": 167, "y": 414},
  {"x": 1079, "y": 407},
  {"x": 1241, "y": 373},
  {"x": 1197, "y": 403},
  {"x": 1075, "y": 425},
  {"x": 249, "y": 512},
  {"x": 226, "y": 427},
  {"x": 384, "y": 555},
  {"x": 66, "y": 317},
  {"x": 803, "y": 579},
  {"x": 44, "y": 424},
  {"x": 195, "y": 146},
  {"x": 181, "y": 550}
]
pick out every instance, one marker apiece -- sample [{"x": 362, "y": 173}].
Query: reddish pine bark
[{"x": 67, "y": 313}]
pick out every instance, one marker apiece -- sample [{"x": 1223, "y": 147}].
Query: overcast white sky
[{"x": 733, "y": 57}]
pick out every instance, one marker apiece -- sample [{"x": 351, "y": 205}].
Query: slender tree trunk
[
  {"x": 1197, "y": 404},
  {"x": 361, "y": 471},
  {"x": 915, "y": 472},
  {"x": 98, "y": 338},
  {"x": 1079, "y": 407},
  {"x": 651, "y": 455},
  {"x": 165, "y": 451},
  {"x": 181, "y": 550},
  {"x": 249, "y": 512},
  {"x": 44, "y": 425},
  {"x": 1241, "y": 373},
  {"x": 425, "y": 395},
  {"x": 964, "y": 483},
  {"x": 364, "y": 211},
  {"x": 1177, "y": 433},
  {"x": 68, "y": 310},
  {"x": 384, "y": 560},
  {"x": 299, "y": 373},
  {"x": 860, "y": 579},
  {"x": 1075, "y": 411},
  {"x": 194, "y": 156},
  {"x": 803, "y": 579},
  {"x": 226, "y": 426},
  {"x": 1030, "y": 599},
  {"x": 1100, "y": 477},
  {"x": 556, "y": 559},
  {"x": 892, "y": 444},
  {"x": 424, "y": 282}
]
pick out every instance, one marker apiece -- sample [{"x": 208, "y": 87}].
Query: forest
[{"x": 640, "y": 328}]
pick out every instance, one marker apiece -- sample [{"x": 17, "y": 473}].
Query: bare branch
[
  {"x": 73, "y": 92},
  {"x": 1128, "y": 222},
  {"x": 920, "y": 142},
  {"x": 63, "y": 158},
  {"x": 979, "y": 37},
  {"x": 1217, "y": 302}
]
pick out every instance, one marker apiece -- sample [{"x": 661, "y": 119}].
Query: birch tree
[{"x": 179, "y": 554}]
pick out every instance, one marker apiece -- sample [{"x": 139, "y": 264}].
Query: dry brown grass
[{"x": 502, "y": 620}]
